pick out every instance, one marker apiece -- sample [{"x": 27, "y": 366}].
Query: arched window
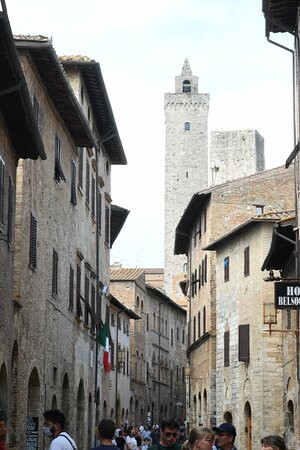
[
  {"x": 186, "y": 86},
  {"x": 187, "y": 126},
  {"x": 138, "y": 302}
]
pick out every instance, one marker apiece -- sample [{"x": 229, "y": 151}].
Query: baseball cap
[{"x": 225, "y": 428}]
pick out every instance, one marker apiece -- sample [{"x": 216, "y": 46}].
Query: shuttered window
[
  {"x": 226, "y": 348},
  {"x": 205, "y": 269},
  {"x": 36, "y": 108},
  {"x": 33, "y": 243},
  {"x": 247, "y": 261},
  {"x": 99, "y": 210},
  {"x": 73, "y": 183},
  {"x": 112, "y": 355},
  {"x": 80, "y": 168},
  {"x": 58, "y": 172},
  {"x": 87, "y": 182},
  {"x": 196, "y": 281},
  {"x": 93, "y": 197},
  {"x": 200, "y": 275},
  {"x": 244, "y": 343},
  {"x": 226, "y": 268},
  {"x": 204, "y": 221},
  {"x": 78, "y": 291},
  {"x": 204, "y": 320},
  {"x": 199, "y": 324},
  {"x": 93, "y": 305},
  {"x": 2, "y": 191},
  {"x": 10, "y": 213},
  {"x": 194, "y": 328},
  {"x": 86, "y": 299},
  {"x": 54, "y": 273},
  {"x": 107, "y": 225},
  {"x": 71, "y": 289},
  {"x": 193, "y": 285}
]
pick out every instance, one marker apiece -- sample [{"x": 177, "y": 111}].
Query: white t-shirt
[
  {"x": 131, "y": 442},
  {"x": 63, "y": 442}
]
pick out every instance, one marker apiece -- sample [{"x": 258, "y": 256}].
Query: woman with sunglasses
[{"x": 199, "y": 439}]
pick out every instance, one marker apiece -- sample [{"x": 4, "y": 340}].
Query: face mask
[{"x": 48, "y": 431}]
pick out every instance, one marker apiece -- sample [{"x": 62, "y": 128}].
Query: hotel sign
[{"x": 287, "y": 295}]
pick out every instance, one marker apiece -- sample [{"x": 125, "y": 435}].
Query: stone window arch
[{"x": 186, "y": 86}]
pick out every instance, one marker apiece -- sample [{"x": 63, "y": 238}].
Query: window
[
  {"x": 172, "y": 337},
  {"x": 247, "y": 261},
  {"x": 244, "y": 343},
  {"x": 226, "y": 348},
  {"x": 58, "y": 172},
  {"x": 112, "y": 319},
  {"x": 93, "y": 306},
  {"x": 200, "y": 275},
  {"x": 107, "y": 225},
  {"x": 204, "y": 221},
  {"x": 226, "y": 268},
  {"x": 147, "y": 322},
  {"x": 93, "y": 197},
  {"x": 36, "y": 108},
  {"x": 10, "y": 213},
  {"x": 205, "y": 269},
  {"x": 127, "y": 363},
  {"x": 71, "y": 289},
  {"x": 54, "y": 273},
  {"x": 177, "y": 334},
  {"x": 78, "y": 291},
  {"x": 32, "y": 243},
  {"x": 204, "y": 320},
  {"x": 2, "y": 182},
  {"x": 73, "y": 183},
  {"x": 199, "y": 324},
  {"x": 200, "y": 229},
  {"x": 80, "y": 168},
  {"x": 112, "y": 355},
  {"x": 193, "y": 285},
  {"x": 99, "y": 207},
  {"x": 187, "y": 126},
  {"x": 195, "y": 281},
  {"x": 194, "y": 328},
  {"x": 259, "y": 209},
  {"x": 186, "y": 86},
  {"x": 183, "y": 336},
  {"x": 86, "y": 300},
  {"x": 87, "y": 183},
  {"x": 119, "y": 323}
]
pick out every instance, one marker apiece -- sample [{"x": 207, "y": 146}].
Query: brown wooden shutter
[
  {"x": 80, "y": 168},
  {"x": 71, "y": 289},
  {"x": 87, "y": 183},
  {"x": 54, "y": 273},
  {"x": 247, "y": 261},
  {"x": 244, "y": 343},
  {"x": 32, "y": 243},
  {"x": 10, "y": 213},
  {"x": 2, "y": 190},
  {"x": 226, "y": 348},
  {"x": 73, "y": 183}
]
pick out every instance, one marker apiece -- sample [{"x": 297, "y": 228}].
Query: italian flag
[{"x": 103, "y": 340}]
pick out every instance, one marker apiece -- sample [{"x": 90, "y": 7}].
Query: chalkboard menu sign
[{"x": 32, "y": 433}]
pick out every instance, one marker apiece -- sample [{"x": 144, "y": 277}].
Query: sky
[{"x": 141, "y": 47}]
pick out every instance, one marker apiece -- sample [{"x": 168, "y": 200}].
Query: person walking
[
  {"x": 225, "y": 435},
  {"x": 168, "y": 436},
  {"x": 54, "y": 424},
  {"x": 106, "y": 433},
  {"x": 199, "y": 439},
  {"x": 273, "y": 442}
]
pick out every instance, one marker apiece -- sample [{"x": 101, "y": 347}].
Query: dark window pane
[
  {"x": 226, "y": 348},
  {"x": 244, "y": 343},
  {"x": 71, "y": 288}
]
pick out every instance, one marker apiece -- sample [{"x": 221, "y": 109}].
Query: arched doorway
[
  {"x": 14, "y": 397},
  {"x": 105, "y": 410},
  {"x": 227, "y": 417},
  {"x": 248, "y": 426},
  {"x": 54, "y": 402},
  {"x": 90, "y": 419},
  {"x": 80, "y": 416},
  {"x": 199, "y": 410},
  {"x": 33, "y": 405},
  {"x": 289, "y": 425},
  {"x": 205, "y": 407},
  {"x": 3, "y": 391},
  {"x": 66, "y": 401}
]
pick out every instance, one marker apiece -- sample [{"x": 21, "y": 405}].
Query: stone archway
[
  {"x": 248, "y": 426},
  {"x": 54, "y": 402},
  {"x": 227, "y": 417},
  {"x": 80, "y": 406},
  {"x": 33, "y": 407}
]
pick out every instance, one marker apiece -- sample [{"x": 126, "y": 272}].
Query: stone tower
[
  {"x": 186, "y": 163},
  {"x": 235, "y": 154}
]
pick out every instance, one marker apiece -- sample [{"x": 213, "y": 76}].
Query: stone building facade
[
  {"x": 210, "y": 214},
  {"x": 158, "y": 344},
  {"x": 249, "y": 363},
  {"x": 19, "y": 138},
  {"x": 63, "y": 239},
  {"x": 235, "y": 154}
]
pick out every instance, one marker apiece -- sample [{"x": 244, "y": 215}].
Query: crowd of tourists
[{"x": 169, "y": 435}]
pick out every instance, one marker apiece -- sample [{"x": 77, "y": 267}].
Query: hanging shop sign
[{"x": 287, "y": 295}]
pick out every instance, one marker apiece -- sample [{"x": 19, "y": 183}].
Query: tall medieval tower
[{"x": 186, "y": 163}]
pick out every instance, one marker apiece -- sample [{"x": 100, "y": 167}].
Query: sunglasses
[{"x": 169, "y": 434}]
